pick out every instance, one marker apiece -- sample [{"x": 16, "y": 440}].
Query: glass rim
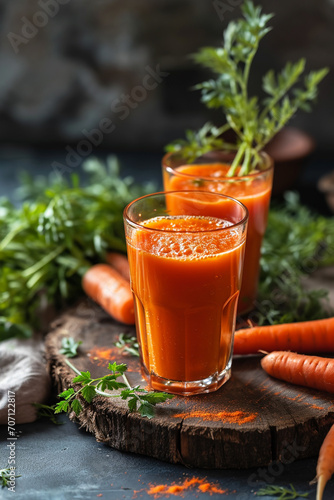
[
  {"x": 174, "y": 170},
  {"x": 135, "y": 224}
]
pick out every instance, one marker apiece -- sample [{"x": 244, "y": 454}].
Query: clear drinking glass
[
  {"x": 185, "y": 252},
  {"x": 253, "y": 190}
]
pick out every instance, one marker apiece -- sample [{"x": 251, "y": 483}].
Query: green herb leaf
[
  {"x": 69, "y": 347},
  {"x": 146, "y": 410},
  {"x": 46, "y": 411},
  {"x": 109, "y": 382},
  {"x": 128, "y": 343},
  {"x": 84, "y": 378},
  {"x": 126, "y": 393},
  {"x": 76, "y": 406},
  {"x": 5, "y": 477},
  {"x": 201, "y": 142},
  {"x": 88, "y": 393},
  {"x": 67, "y": 393},
  {"x": 62, "y": 406},
  {"x": 132, "y": 404},
  {"x": 114, "y": 367},
  {"x": 156, "y": 397}
]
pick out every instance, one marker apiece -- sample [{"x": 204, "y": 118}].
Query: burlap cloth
[{"x": 23, "y": 371}]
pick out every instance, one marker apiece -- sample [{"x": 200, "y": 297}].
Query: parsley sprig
[
  {"x": 138, "y": 399},
  {"x": 281, "y": 492},
  {"x": 254, "y": 121}
]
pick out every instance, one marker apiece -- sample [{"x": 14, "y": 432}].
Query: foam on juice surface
[{"x": 188, "y": 237}]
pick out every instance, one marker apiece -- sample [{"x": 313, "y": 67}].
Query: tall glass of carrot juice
[
  {"x": 186, "y": 251},
  {"x": 254, "y": 190}
]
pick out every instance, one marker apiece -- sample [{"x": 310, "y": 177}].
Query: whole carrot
[
  {"x": 120, "y": 263},
  {"x": 111, "y": 291},
  {"x": 325, "y": 465},
  {"x": 305, "y": 337},
  {"x": 300, "y": 369}
]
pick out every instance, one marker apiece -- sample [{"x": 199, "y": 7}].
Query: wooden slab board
[{"x": 276, "y": 421}]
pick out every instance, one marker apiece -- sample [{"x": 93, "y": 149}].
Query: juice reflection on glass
[
  {"x": 253, "y": 190},
  {"x": 185, "y": 272}
]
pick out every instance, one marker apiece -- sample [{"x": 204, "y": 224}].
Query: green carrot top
[{"x": 254, "y": 121}]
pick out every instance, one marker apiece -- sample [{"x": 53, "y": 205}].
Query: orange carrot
[
  {"x": 120, "y": 263},
  {"x": 325, "y": 465},
  {"x": 310, "y": 371},
  {"x": 306, "y": 337},
  {"x": 111, "y": 291}
]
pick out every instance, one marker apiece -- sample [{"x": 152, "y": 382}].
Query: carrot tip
[{"x": 322, "y": 480}]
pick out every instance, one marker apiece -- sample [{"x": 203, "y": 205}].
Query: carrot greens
[
  {"x": 60, "y": 231},
  {"x": 297, "y": 242},
  {"x": 254, "y": 121}
]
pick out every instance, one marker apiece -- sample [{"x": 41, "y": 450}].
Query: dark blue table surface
[{"x": 63, "y": 462}]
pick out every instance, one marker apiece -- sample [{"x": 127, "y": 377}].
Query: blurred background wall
[{"x": 70, "y": 68}]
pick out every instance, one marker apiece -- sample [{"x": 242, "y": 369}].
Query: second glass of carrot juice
[
  {"x": 209, "y": 173},
  {"x": 185, "y": 251}
]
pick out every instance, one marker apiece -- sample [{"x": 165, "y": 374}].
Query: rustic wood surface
[{"x": 251, "y": 421}]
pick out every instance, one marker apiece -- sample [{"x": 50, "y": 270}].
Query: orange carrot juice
[
  {"x": 253, "y": 190},
  {"x": 185, "y": 276}
]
